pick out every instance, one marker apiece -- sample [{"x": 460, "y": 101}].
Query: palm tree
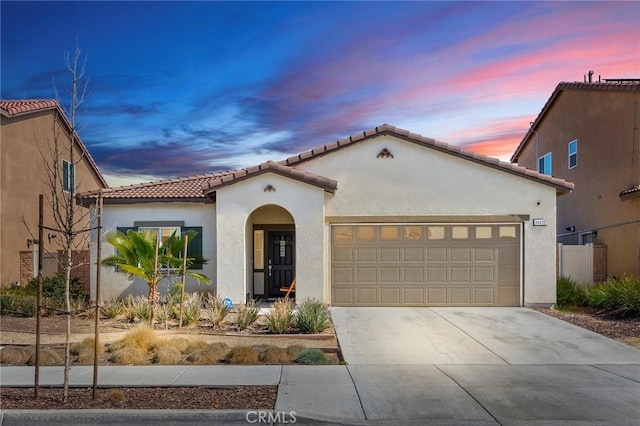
[{"x": 139, "y": 255}]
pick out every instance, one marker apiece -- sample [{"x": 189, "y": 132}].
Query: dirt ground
[{"x": 20, "y": 331}]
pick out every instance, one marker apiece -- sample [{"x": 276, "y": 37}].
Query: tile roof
[
  {"x": 16, "y": 108},
  {"x": 327, "y": 184},
  {"x": 631, "y": 86},
  {"x": 13, "y": 108},
  {"x": 188, "y": 188},
  {"x": 197, "y": 188}
]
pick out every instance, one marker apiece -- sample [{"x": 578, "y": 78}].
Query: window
[
  {"x": 258, "y": 249},
  {"x": 68, "y": 176},
  {"x": 342, "y": 233},
  {"x": 366, "y": 233},
  {"x": 544, "y": 164},
  {"x": 573, "y": 153},
  {"x": 194, "y": 248},
  {"x": 435, "y": 232},
  {"x": 484, "y": 233},
  {"x": 413, "y": 232},
  {"x": 507, "y": 232},
  {"x": 389, "y": 233},
  {"x": 162, "y": 233},
  {"x": 459, "y": 232}
]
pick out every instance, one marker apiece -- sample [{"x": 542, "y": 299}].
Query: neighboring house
[
  {"x": 384, "y": 217},
  {"x": 27, "y": 132},
  {"x": 589, "y": 133}
]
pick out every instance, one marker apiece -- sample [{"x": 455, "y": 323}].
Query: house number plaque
[{"x": 539, "y": 222}]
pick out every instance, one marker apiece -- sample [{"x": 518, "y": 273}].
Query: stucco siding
[
  {"x": 423, "y": 182},
  {"x": 115, "y": 284},
  {"x": 236, "y": 202}
]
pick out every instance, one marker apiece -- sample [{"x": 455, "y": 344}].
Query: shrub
[
  {"x": 166, "y": 355},
  {"x": 141, "y": 337},
  {"x": 243, "y": 355},
  {"x": 215, "y": 310},
  {"x": 13, "y": 355},
  {"x": 209, "y": 354},
  {"x": 191, "y": 309},
  {"x": 569, "y": 293},
  {"x": 294, "y": 350},
  {"x": 17, "y": 301},
  {"x": 180, "y": 343},
  {"x": 47, "y": 357},
  {"x": 313, "y": 317},
  {"x": 137, "y": 309},
  {"x": 273, "y": 355},
  {"x": 84, "y": 350},
  {"x": 312, "y": 357},
  {"x": 616, "y": 296},
  {"x": 281, "y": 318},
  {"x": 128, "y": 355},
  {"x": 111, "y": 309},
  {"x": 247, "y": 315},
  {"x": 53, "y": 287}
]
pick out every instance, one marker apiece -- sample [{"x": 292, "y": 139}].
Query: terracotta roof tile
[
  {"x": 14, "y": 108},
  {"x": 327, "y": 184},
  {"x": 615, "y": 86},
  {"x": 197, "y": 188}
]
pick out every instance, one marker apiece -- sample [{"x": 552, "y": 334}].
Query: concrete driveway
[
  {"x": 470, "y": 336},
  {"x": 477, "y": 366}
]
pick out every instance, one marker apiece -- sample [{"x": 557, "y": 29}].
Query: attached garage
[{"x": 417, "y": 264}]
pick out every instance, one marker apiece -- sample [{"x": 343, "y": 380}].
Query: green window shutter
[
  {"x": 194, "y": 248},
  {"x": 65, "y": 175}
]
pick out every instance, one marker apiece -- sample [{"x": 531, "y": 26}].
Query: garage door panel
[
  {"x": 413, "y": 275},
  {"x": 390, "y": 254},
  {"x": 484, "y": 254},
  {"x": 343, "y": 296},
  {"x": 413, "y": 295},
  {"x": 390, "y": 274},
  {"x": 421, "y": 264},
  {"x": 390, "y": 296},
  {"x": 342, "y": 254},
  {"x": 460, "y": 255},
  {"x": 436, "y": 254},
  {"x": 484, "y": 274},
  {"x": 484, "y": 296},
  {"x": 343, "y": 275},
  {"x": 460, "y": 296},
  {"x": 366, "y": 254},
  {"x": 367, "y": 275},
  {"x": 437, "y": 274},
  {"x": 367, "y": 296},
  {"x": 460, "y": 274},
  {"x": 413, "y": 254},
  {"x": 437, "y": 296}
]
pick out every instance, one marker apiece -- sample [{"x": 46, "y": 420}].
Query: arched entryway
[{"x": 271, "y": 253}]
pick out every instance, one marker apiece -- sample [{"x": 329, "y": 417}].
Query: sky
[{"x": 184, "y": 88}]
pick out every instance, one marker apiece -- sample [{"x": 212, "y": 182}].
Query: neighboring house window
[
  {"x": 68, "y": 176},
  {"x": 573, "y": 153},
  {"x": 544, "y": 164},
  {"x": 194, "y": 248}
]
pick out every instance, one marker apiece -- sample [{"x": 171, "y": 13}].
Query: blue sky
[{"x": 182, "y": 88}]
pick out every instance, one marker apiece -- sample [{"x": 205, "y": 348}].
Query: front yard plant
[
  {"x": 313, "y": 317},
  {"x": 281, "y": 318},
  {"x": 247, "y": 314},
  {"x": 616, "y": 297}
]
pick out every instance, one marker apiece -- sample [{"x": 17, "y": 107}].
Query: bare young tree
[{"x": 71, "y": 226}]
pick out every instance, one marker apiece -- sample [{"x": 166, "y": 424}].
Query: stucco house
[
  {"x": 384, "y": 217},
  {"x": 27, "y": 133},
  {"x": 589, "y": 133}
]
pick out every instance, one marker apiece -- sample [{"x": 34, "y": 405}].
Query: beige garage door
[{"x": 425, "y": 265}]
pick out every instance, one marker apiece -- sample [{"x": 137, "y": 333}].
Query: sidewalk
[{"x": 367, "y": 394}]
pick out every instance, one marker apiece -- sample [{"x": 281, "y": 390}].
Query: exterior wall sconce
[{"x": 269, "y": 188}]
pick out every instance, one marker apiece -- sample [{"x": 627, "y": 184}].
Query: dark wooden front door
[{"x": 281, "y": 262}]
